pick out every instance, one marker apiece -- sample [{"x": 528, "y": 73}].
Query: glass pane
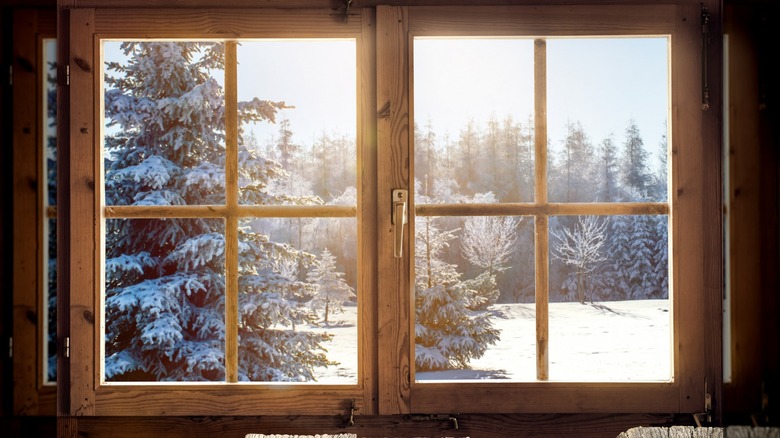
[
  {"x": 298, "y": 317},
  {"x": 474, "y": 298},
  {"x": 297, "y": 107},
  {"x": 164, "y": 123},
  {"x": 164, "y": 300},
  {"x": 610, "y": 317},
  {"x": 473, "y": 119},
  {"x": 607, "y": 124},
  {"x": 50, "y": 302},
  {"x": 49, "y": 168}
]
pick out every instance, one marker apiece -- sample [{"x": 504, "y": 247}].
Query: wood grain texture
[
  {"x": 688, "y": 241},
  {"x": 30, "y": 396},
  {"x": 334, "y": 5},
  {"x": 231, "y": 221},
  {"x": 541, "y": 222},
  {"x": 82, "y": 211},
  {"x": 220, "y": 398},
  {"x": 544, "y": 397},
  {"x": 25, "y": 214},
  {"x": 540, "y": 208},
  {"x": 63, "y": 211},
  {"x": 218, "y": 211},
  {"x": 223, "y": 23},
  {"x": 393, "y": 132},
  {"x": 482, "y": 426},
  {"x": 712, "y": 210},
  {"x": 367, "y": 213},
  {"x": 540, "y": 20}
]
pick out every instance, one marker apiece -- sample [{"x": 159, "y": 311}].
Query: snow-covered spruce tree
[
  {"x": 330, "y": 289},
  {"x": 165, "y": 285},
  {"x": 448, "y": 332}
]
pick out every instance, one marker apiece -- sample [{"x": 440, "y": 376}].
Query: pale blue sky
[{"x": 600, "y": 82}]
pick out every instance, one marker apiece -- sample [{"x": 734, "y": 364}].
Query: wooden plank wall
[
  {"x": 6, "y": 299},
  {"x": 753, "y": 393},
  {"x": 757, "y": 338}
]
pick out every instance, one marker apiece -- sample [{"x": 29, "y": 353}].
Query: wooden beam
[{"x": 393, "y": 132}]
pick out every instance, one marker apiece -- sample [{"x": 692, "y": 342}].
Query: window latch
[
  {"x": 705, "y": 416},
  {"x": 398, "y": 219}
]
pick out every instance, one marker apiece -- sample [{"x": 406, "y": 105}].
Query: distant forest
[{"x": 591, "y": 258}]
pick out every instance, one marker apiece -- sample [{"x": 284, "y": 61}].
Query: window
[
  {"x": 216, "y": 232},
  {"x": 221, "y": 273},
  {"x": 34, "y": 210},
  {"x": 519, "y": 282},
  {"x": 528, "y": 43}
]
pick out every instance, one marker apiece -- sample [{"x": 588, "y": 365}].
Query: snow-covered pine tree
[
  {"x": 448, "y": 333},
  {"x": 165, "y": 284},
  {"x": 330, "y": 289}
]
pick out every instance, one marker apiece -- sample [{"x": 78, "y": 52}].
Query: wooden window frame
[
  {"x": 89, "y": 394},
  {"x": 696, "y": 356},
  {"x": 386, "y": 385},
  {"x": 32, "y": 394}
]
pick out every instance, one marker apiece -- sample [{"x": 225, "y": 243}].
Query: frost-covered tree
[
  {"x": 607, "y": 174},
  {"x": 489, "y": 241},
  {"x": 634, "y": 166},
  {"x": 449, "y": 332},
  {"x": 581, "y": 248},
  {"x": 165, "y": 280},
  {"x": 572, "y": 179},
  {"x": 330, "y": 289}
]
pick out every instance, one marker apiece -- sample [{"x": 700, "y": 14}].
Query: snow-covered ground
[{"x": 608, "y": 341}]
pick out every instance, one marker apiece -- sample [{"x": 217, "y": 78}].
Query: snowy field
[{"x": 608, "y": 341}]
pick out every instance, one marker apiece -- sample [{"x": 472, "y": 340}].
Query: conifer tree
[
  {"x": 449, "y": 330},
  {"x": 330, "y": 289}
]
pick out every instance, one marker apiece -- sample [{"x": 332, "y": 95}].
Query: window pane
[
  {"x": 164, "y": 300},
  {"x": 474, "y": 298},
  {"x": 49, "y": 169},
  {"x": 50, "y": 301},
  {"x": 164, "y": 123},
  {"x": 305, "y": 154},
  {"x": 610, "y": 316},
  {"x": 607, "y": 124},
  {"x": 473, "y": 119},
  {"x": 297, "y": 300}
]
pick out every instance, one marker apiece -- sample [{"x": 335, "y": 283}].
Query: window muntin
[
  {"x": 230, "y": 287},
  {"x": 604, "y": 261}
]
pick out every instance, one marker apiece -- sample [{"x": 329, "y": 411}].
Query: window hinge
[
  {"x": 351, "y": 420},
  {"x": 705, "y": 416},
  {"x": 67, "y": 346},
  {"x": 11, "y": 75},
  {"x": 435, "y": 417},
  {"x": 67, "y": 74},
  {"x": 705, "y": 48},
  {"x": 11, "y": 346}
]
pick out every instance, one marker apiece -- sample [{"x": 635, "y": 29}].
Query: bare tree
[
  {"x": 582, "y": 249},
  {"x": 488, "y": 241}
]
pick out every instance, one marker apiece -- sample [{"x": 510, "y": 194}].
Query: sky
[{"x": 600, "y": 82}]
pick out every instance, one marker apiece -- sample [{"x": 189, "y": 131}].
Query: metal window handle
[{"x": 398, "y": 220}]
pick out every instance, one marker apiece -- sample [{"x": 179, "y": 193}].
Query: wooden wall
[
  {"x": 752, "y": 206},
  {"x": 753, "y": 212}
]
